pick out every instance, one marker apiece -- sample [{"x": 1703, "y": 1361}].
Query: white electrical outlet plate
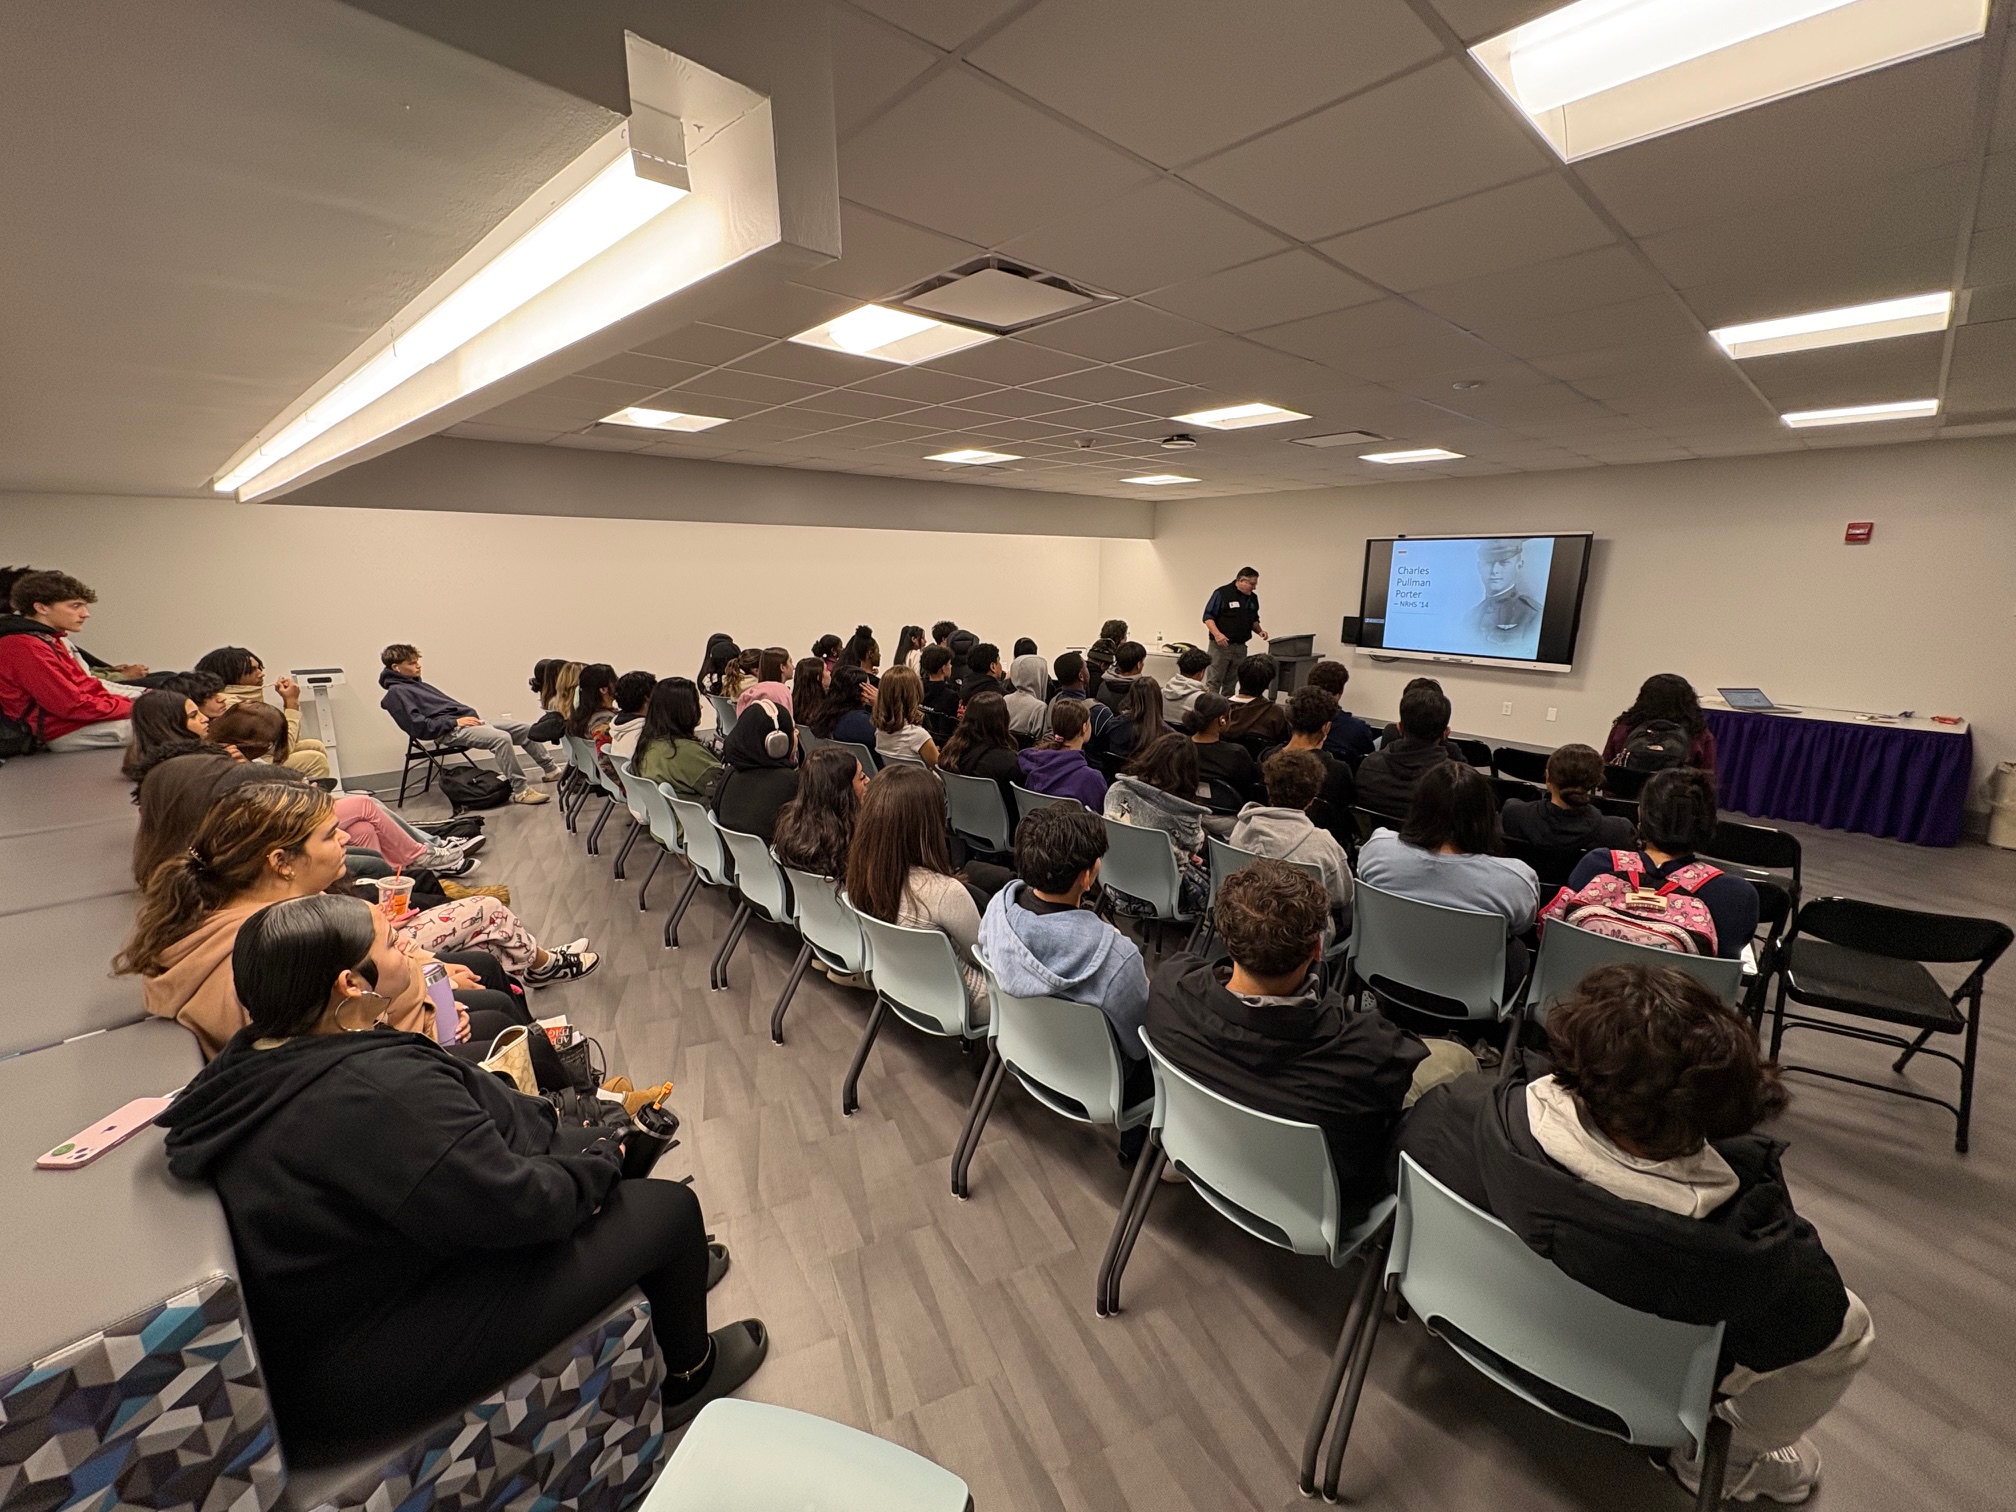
[
  {"x": 1508, "y": 707},
  {"x": 1551, "y": 712}
]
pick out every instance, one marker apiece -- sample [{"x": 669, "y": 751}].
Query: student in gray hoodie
[
  {"x": 1041, "y": 943},
  {"x": 1028, "y": 695},
  {"x": 1283, "y": 830},
  {"x": 1180, "y": 693}
]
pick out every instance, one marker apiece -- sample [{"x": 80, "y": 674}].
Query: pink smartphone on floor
[{"x": 107, "y": 1134}]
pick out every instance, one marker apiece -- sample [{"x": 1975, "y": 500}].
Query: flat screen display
[{"x": 1514, "y": 599}]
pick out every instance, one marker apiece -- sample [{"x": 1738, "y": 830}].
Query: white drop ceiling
[{"x": 1316, "y": 204}]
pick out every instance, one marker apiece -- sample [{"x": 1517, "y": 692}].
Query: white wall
[
  {"x": 1731, "y": 572},
  {"x": 485, "y": 596}
]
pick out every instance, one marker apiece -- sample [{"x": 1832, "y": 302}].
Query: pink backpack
[{"x": 1619, "y": 906}]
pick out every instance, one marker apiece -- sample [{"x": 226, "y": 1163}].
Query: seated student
[
  {"x": 844, "y": 713},
  {"x": 412, "y": 1232},
  {"x": 1100, "y": 654},
  {"x": 594, "y": 707},
  {"x": 983, "y": 672},
  {"x": 566, "y": 678},
  {"x": 1259, "y": 1032},
  {"x": 267, "y": 841},
  {"x": 1070, "y": 682},
  {"x": 667, "y": 750},
  {"x": 758, "y": 770},
  {"x": 44, "y": 682},
  {"x": 1181, "y": 692},
  {"x": 633, "y": 695},
  {"x": 1158, "y": 790},
  {"x": 862, "y": 653},
  {"x": 1140, "y": 722},
  {"x": 1283, "y": 830},
  {"x": 424, "y": 712},
  {"x": 773, "y": 665},
  {"x": 1128, "y": 659},
  {"x": 1058, "y": 766},
  {"x": 815, "y": 828},
  {"x": 1676, "y": 814},
  {"x": 1311, "y": 712},
  {"x": 899, "y": 871},
  {"x": 1635, "y": 1166},
  {"x": 941, "y": 693},
  {"x": 1664, "y": 698},
  {"x": 961, "y": 643},
  {"x": 1029, "y": 694},
  {"x": 941, "y": 633},
  {"x": 826, "y": 648},
  {"x": 808, "y": 685},
  {"x": 1568, "y": 815},
  {"x": 720, "y": 655},
  {"x": 204, "y": 689},
  {"x": 1350, "y": 737},
  {"x": 244, "y": 677},
  {"x": 1025, "y": 646},
  {"x": 1256, "y": 721},
  {"x": 899, "y": 705},
  {"x": 984, "y": 746},
  {"x": 123, "y": 676},
  {"x": 1041, "y": 941},
  {"x": 1386, "y": 778},
  {"x": 1228, "y": 772},
  {"x": 909, "y": 641},
  {"x": 165, "y": 725},
  {"x": 740, "y": 674}
]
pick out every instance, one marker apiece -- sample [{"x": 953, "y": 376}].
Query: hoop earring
[{"x": 360, "y": 1028}]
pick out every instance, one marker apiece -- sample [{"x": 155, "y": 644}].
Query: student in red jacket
[{"x": 44, "y": 682}]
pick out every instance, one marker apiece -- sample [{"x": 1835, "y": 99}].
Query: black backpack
[
  {"x": 473, "y": 787},
  {"x": 21, "y": 737},
  {"x": 1655, "y": 746}
]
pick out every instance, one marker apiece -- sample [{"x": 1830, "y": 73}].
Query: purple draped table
[{"x": 1906, "y": 784}]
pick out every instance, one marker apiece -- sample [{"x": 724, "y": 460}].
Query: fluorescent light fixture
[
  {"x": 602, "y": 212},
  {"x": 972, "y": 456},
  {"x": 1826, "y": 328},
  {"x": 892, "y": 335},
  {"x": 1241, "y": 416},
  {"x": 1862, "y": 414},
  {"x": 1419, "y": 454},
  {"x": 1161, "y": 480},
  {"x": 657, "y": 419},
  {"x": 1335, "y": 438},
  {"x": 1600, "y": 74}
]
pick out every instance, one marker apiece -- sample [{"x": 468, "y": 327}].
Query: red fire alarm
[{"x": 1859, "y": 532}]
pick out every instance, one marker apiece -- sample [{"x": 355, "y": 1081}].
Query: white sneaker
[
  {"x": 1786, "y": 1475},
  {"x": 562, "y": 966}
]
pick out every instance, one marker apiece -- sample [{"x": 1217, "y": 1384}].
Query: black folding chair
[
  {"x": 1475, "y": 752},
  {"x": 432, "y": 753},
  {"x": 1371, "y": 819},
  {"x": 1865, "y": 960},
  {"x": 1770, "y": 860},
  {"x": 1623, "y": 808},
  {"x": 1622, "y": 782},
  {"x": 1508, "y": 788},
  {"x": 1527, "y": 766},
  {"x": 1550, "y": 863}
]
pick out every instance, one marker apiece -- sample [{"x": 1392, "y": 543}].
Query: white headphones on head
[{"x": 778, "y": 741}]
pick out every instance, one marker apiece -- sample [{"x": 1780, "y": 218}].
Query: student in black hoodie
[
  {"x": 1568, "y": 815},
  {"x": 1635, "y": 1168},
  {"x": 412, "y": 1232},
  {"x": 1386, "y": 778}
]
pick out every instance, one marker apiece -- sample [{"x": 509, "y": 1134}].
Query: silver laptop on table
[{"x": 1754, "y": 701}]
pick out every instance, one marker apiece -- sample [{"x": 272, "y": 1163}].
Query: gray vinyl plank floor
[{"x": 966, "y": 1330}]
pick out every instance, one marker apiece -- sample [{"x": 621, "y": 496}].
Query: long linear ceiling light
[
  {"x": 1600, "y": 74},
  {"x": 1826, "y": 328},
  {"x": 614, "y": 202},
  {"x": 1862, "y": 414}
]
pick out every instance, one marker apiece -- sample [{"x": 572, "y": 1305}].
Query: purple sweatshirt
[{"x": 1063, "y": 773}]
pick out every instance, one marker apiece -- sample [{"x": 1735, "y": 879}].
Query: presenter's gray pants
[{"x": 1224, "y": 671}]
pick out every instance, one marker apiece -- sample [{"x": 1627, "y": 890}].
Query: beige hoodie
[
  {"x": 1691, "y": 1185},
  {"x": 196, "y": 989}
]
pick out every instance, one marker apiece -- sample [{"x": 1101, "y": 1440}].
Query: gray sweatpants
[
  {"x": 499, "y": 740},
  {"x": 1223, "y": 674}
]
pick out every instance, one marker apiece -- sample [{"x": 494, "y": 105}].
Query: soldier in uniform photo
[{"x": 1504, "y": 618}]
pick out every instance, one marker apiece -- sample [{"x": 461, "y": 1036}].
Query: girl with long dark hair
[
  {"x": 666, "y": 748},
  {"x": 899, "y": 870},
  {"x": 815, "y": 829},
  {"x": 1665, "y": 698}
]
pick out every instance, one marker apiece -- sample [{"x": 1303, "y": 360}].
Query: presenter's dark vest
[{"x": 1237, "y": 613}]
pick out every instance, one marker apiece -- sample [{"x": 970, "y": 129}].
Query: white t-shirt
[{"x": 908, "y": 741}]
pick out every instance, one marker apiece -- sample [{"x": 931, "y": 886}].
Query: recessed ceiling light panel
[
  {"x": 1161, "y": 480},
  {"x": 1336, "y": 438},
  {"x": 1862, "y": 414},
  {"x": 973, "y": 456},
  {"x": 1419, "y": 454},
  {"x": 891, "y": 335},
  {"x": 1600, "y": 74},
  {"x": 668, "y": 420},
  {"x": 1826, "y": 328},
  {"x": 1240, "y": 416}
]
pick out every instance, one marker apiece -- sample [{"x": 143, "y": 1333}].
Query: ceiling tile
[
  {"x": 1229, "y": 362},
  {"x": 1508, "y": 227},
  {"x": 1162, "y": 233},
  {"x": 1366, "y": 327},
  {"x": 1998, "y": 192},
  {"x": 590, "y": 398},
  {"x": 927, "y": 385},
  {"x": 1984, "y": 369},
  {"x": 943, "y": 23},
  {"x": 1010, "y": 361},
  {"x": 1101, "y": 384},
  {"x": 755, "y": 387},
  {"x": 475, "y": 430},
  {"x": 1176, "y": 79},
  {"x": 1432, "y": 136},
  {"x": 857, "y": 403},
  {"x": 1905, "y": 367},
  {"x": 880, "y": 257},
  {"x": 1576, "y": 330},
  {"x": 809, "y": 364},
  {"x": 1991, "y": 257},
  {"x": 1017, "y": 403},
  {"x": 1844, "y": 274},
  {"x": 1116, "y": 332},
  {"x": 1264, "y": 293},
  {"x": 604, "y": 441},
  {"x": 706, "y": 345},
  {"x": 653, "y": 372},
  {"x": 1906, "y": 118},
  {"x": 1605, "y": 275},
  {"x": 1474, "y": 20},
  {"x": 783, "y": 309},
  {"x": 967, "y": 159},
  {"x": 694, "y": 402},
  {"x": 870, "y": 64}
]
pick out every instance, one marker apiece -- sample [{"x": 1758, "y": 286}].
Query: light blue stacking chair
[
  {"x": 977, "y": 811},
  {"x": 916, "y": 977},
  {"x": 646, "y": 797},
  {"x": 1026, "y": 802},
  {"x": 828, "y": 928},
  {"x": 742, "y": 1456},
  {"x": 705, "y": 853},
  {"x": 765, "y": 893},
  {"x": 1440, "y": 963},
  {"x": 1140, "y": 862},
  {"x": 1568, "y": 954}
]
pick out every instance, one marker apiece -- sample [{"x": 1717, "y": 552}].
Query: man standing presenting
[{"x": 1233, "y": 618}]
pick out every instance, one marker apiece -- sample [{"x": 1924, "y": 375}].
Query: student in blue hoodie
[{"x": 1042, "y": 941}]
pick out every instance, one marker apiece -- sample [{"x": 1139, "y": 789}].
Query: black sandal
[
  {"x": 734, "y": 1353},
  {"x": 717, "y": 1264}
]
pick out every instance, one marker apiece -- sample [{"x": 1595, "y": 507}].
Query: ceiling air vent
[
  {"x": 1336, "y": 438},
  {"x": 997, "y": 295}
]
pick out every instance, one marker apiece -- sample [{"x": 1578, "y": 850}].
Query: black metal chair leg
[
  {"x": 849, "y": 1100},
  {"x": 1142, "y": 1162},
  {"x": 791, "y": 982},
  {"x": 1136, "y": 1217},
  {"x": 679, "y": 910},
  {"x": 629, "y": 841},
  {"x": 1714, "y": 1465},
  {"x": 1966, "y": 1110},
  {"x": 717, "y": 974},
  {"x": 1910, "y": 1050},
  {"x": 984, "y": 1097},
  {"x": 1361, "y": 1362},
  {"x": 657, "y": 861},
  {"x": 595, "y": 834},
  {"x": 1361, "y": 1314}
]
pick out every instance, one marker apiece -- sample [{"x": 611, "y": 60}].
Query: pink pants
[
  {"x": 365, "y": 821},
  {"x": 478, "y": 923}
]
